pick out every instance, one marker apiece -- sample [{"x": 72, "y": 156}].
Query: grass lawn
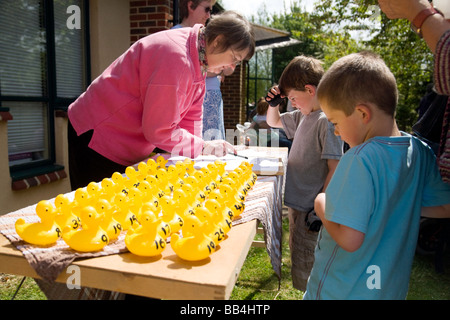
[{"x": 257, "y": 281}]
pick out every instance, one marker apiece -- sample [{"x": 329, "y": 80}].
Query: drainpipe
[{"x": 175, "y": 12}]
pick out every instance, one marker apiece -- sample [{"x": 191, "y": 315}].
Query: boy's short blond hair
[
  {"x": 359, "y": 78},
  {"x": 299, "y": 72}
]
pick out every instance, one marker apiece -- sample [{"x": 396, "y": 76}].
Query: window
[
  {"x": 260, "y": 78},
  {"x": 43, "y": 68}
]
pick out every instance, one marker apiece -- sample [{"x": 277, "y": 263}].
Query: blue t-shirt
[{"x": 378, "y": 189}]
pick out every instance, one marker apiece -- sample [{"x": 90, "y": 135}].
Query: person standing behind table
[
  {"x": 372, "y": 206},
  {"x": 259, "y": 121},
  {"x": 313, "y": 157},
  {"x": 199, "y": 11},
  {"x": 151, "y": 97},
  {"x": 194, "y": 12},
  {"x": 213, "y": 119},
  {"x": 435, "y": 30}
]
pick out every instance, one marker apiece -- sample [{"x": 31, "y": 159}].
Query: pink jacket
[{"x": 151, "y": 96}]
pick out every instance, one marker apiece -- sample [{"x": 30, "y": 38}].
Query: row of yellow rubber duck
[{"x": 194, "y": 207}]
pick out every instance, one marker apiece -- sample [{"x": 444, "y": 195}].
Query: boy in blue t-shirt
[{"x": 372, "y": 207}]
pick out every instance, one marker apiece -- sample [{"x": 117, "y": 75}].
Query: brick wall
[
  {"x": 234, "y": 93},
  {"x": 150, "y": 16}
]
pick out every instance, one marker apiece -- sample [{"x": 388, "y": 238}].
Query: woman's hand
[
  {"x": 403, "y": 9},
  {"x": 218, "y": 148}
]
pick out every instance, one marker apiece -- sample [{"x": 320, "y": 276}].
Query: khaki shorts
[{"x": 302, "y": 244}]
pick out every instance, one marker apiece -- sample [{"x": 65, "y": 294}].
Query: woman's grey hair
[{"x": 237, "y": 32}]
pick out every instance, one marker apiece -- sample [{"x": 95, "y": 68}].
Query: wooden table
[{"x": 165, "y": 277}]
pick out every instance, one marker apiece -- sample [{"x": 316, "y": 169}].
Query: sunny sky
[{"x": 250, "y": 7}]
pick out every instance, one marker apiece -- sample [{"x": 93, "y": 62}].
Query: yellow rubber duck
[
  {"x": 135, "y": 198},
  {"x": 164, "y": 200},
  {"x": 211, "y": 228},
  {"x": 180, "y": 197},
  {"x": 195, "y": 245},
  {"x": 220, "y": 169},
  {"x": 163, "y": 181},
  {"x": 216, "y": 195},
  {"x": 91, "y": 237},
  {"x": 173, "y": 176},
  {"x": 108, "y": 189},
  {"x": 64, "y": 216},
  {"x": 81, "y": 200},
  {"x": 250, "y": 175},
  {"x": 154, "y": 184},
  {"x": 151, "y": 166},
  {"x": 142, "y": 171},
  {"x": 214, "y": 172},
  {"x": 112, "y": 227},
  {"x": 202, "y": 183},
  {"x": 147, "y": 200},
  {"x": 245, "y": 178},
  {"x": 230, "y": 184},
  {"x": 164, "y": 230},
  {"x": 221, "y": 217},
  {"x": 197, "y": 188},
  {"x": 122, "y": 212},
  {"x": 119, "y": 182},
  {"x": 171, "y": 216},
  {"x": 189, "y": 165},
  {"x": 147, "y": 195},
  {"x": 230, "y": 200},
  {"x": 161, "y": 161},
  {"x": 43, "y": 233},
  {"x": 190, "y": 199},
  {"x": 204, "y": 215},
  {"x": 155, "y": 208},
  {"x": 93, "y": 190},
  {"x": 145, "y": 188},
  {"x": 132, "y": 177},
  {"x": 144, "y": 240},
  {"x": 237, "y": 175},
  {"x": 181, "y": 169},
  {"x": 208, "y": 179}
]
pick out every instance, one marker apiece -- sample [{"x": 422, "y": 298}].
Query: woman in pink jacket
[{"x": 151, "y": 97}]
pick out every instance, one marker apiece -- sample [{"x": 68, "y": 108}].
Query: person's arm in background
[
  {"x": 433, "y": 27},
  {"x": 436, "y": 212}
]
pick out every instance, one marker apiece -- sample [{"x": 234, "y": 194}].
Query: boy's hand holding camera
[{"x": 274, "y": 97}]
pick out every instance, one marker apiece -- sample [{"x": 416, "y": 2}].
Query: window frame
[
  {"x": 50, "y": 98},
  {"x": 254, "y": 75}
]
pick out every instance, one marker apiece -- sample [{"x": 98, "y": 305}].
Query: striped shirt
[{"x": 442, "y": 83}]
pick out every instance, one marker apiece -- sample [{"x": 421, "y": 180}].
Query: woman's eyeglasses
[
  {"x": 207, "y": 9},
  {"x": 236, "y": 62}
]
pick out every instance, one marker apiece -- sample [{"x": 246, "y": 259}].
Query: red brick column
[
  {"x": 149, "y": 16},
  {"x": 234, "y": 93}
]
